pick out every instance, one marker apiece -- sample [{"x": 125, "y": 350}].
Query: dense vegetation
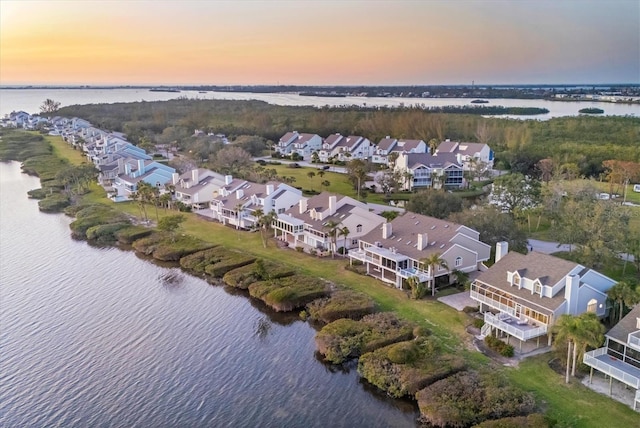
[
  {"x": 346, "y": 338},
  {"x": 582, "y": 141},
  {"x": 341, "y": 304},
  {"x": 290, "y": 292}
]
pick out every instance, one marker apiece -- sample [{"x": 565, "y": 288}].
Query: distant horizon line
[{"x": 458, "y": 85}]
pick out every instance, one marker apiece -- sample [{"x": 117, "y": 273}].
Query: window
[
  {"x": 359, "y": 228},
  {"x": 516, "y": 280},
  {"x": 354, "y": 241},
  {"x": 458, "y": 261},
  {"x": 537, "y": 288},
  {"x": 592, "y": 305}
]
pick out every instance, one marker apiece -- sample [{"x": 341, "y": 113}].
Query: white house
[
  {"x": 524, "y": 295},
  {"x": 393, "y": 251},
  {"x": 312, "y": 222},
  {"x": 200, "y": 186},
  {"x": 470, "y": 155},
  {"x": 302, "y": 144}
]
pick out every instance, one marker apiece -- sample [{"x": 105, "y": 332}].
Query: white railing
[
  {"x": 407, "y": 273},
  {"x": 513, "y": 330},
  {"x": 494, "y": 304},
  {"x": 591, "y": 359},
  {"x": 359, "y": 255},
  {"x": 485, "y": 330}
]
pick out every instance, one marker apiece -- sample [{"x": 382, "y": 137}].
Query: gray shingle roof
[{"x": 627, "y": 325}]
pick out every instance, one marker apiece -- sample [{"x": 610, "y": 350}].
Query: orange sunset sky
[{"x": 319, "y": 42}]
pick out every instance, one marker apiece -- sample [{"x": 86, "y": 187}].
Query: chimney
[
  {"x": 423, "y": 241},
  {"x": 333, "y": 201},
  {"x": 120, "y": 166},
  {"x": 388, "y": 137},
  {"x": 502, "y": 248},
  {"x": 269, "y": 189},
  {"x": 239, "y": 193},
  {"x": 571, "y": 288},
  {"x": 228, "y": 179},
  {"x": 175, "y": 177},
  {"x": 127, "y": 168},
  {"x": 303, "y": 205},
  {"x": 386, "y": 230},
  {"x": 140, "y": 167},
  {"x": 195, "y": 176}
]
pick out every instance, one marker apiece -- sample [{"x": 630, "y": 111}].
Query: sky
[{"x": 306, "y": 42}]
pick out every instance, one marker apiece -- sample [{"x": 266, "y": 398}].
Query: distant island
[
  {"x": 479, "y": 101},
  {"x": 164, "y": 90},
  {"x": 591, "y": 110}
]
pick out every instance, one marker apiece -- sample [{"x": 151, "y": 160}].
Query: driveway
[{"x": 546, "y": 247}]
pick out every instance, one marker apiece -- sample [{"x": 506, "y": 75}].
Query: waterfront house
[
  {"x": 470, "y": 155},
  {"x": 238, "y": 206},
  {"x": 393, "y": 251},
  {"x": 152, "y": 172},
  {"x": 311, "y": 223},
  {"x": 198, "y": 187},
  {"x": 522, "y": 296},
  {"x": 302, "y": 144},
  {"x": 17, "y": 119},
  {"x": 423, "y": 170},
  {"x": 411, "y": 146},
  {"x": 619, "y": 358}
]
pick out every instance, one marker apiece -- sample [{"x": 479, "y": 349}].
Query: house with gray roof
[
  {"x": 522, "y": 296},
  {"x": 393, "y": 251},
  {"x": 154, "y": 173},
  {"x": 423, "y": 170},
  {"x": 342, "y": 148},
  {"x": 198, "y": 187},
  {"x": 470, "y": 155},
  {"x": 300, "y": 143},
  {"x": 238, "y": 206},
  {"x": 619, "y": 358},
  {"x": 311, "y": 223},
  {"x": 382, "y": 150}
]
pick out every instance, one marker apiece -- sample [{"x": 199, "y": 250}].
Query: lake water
[
  {"x": 98, "y": 337},
  {"x": 30, "y": 100}
]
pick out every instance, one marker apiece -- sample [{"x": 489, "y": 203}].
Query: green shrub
[
  {"x": 499, "y": 346},
  {"x": 470, "y": 309},
  {"x": 165, "y": 247},
  {"x": 105, "y": 233},
  {"x": 132, "y": 233},
  {"x": 288, "y": 293},
  {"x": 341, "y": 304},
  {"x": 468, "y": 398},
  {"x": 94, "y": 215},
  {"x": 244, "y": 276},
  {"x": 345, "y": 338},
  {"x": 231, "y": 260},
  {"x": 534, "y": 420},
  {"x": 402, "y": 369},
  {"x": 39, "y": 193},
  {"x": 54, "y": 203},
  {"x": 478, "y": 323}
]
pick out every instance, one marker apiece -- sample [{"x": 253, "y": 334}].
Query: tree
[
  {"x": 625, "y": 295},
  {"x": 433, "y": 261},
  {"x": 49, "y": 106},
  {"x": 515, "y": 192},
  {"x": 232, "y": 160},
  {"x": 311, "y": 174},
  {"x": 264, "y": 222},
  {"x": 493, "y": 226},
  {"x": 170, "y": 224},
  {"x": 325, "y": 184},
  {"x": 388, "y": 180},
  {"x": 418, "y": 289},
  {"x": 357, "y": 170},
  {"x": 434, "y": 203},
  {"x": 238, "y": 210},
  {"x": 578, "y": 333},
  {"x": 332, "y": 232},
  {"x": 344, "y": 231}
]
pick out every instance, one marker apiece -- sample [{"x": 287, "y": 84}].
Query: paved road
[{"x": 546, "y": 247}]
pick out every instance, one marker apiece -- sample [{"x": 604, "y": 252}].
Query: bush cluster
[
  {"x": 259, "y": 270},
  {"x": 341, "y": 304},
  {"x": 163, "y": 246},
  {"x": 469, "y": 398},
  {"x": 402, "y": 369},
  {"x": 289, "y": 293},
  {"x": 347, "y": 338},
  {"x": 499, "y": 346}
]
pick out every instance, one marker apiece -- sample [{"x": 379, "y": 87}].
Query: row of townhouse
[{"x": 22, "y": 119}]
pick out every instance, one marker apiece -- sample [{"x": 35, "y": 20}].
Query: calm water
[
  {"x": 97, "y": 337},
  {"x": 30, "y": 100}
]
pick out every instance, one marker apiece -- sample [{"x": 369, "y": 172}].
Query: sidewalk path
[{"x": 546, "y": 247}]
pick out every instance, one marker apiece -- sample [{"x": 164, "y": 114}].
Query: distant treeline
[{"x": 584, "y": 142}]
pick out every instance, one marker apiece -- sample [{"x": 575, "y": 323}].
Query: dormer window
[
  {"x": 537, "y": 287},
  {"x": 516, "y": 280}
]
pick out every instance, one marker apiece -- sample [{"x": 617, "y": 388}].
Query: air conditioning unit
[{"x": 378, "y": 244}]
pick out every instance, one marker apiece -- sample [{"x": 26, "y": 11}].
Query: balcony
[
  {"x": 600, "y": 360},
  {"x": 518, "y": 328},
  {"x": 634, "y": 340}
]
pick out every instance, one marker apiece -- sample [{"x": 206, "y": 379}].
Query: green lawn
[{"x": 572, "y": 404}]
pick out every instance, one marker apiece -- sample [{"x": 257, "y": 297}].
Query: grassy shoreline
[{"x": 571, "y": 405}]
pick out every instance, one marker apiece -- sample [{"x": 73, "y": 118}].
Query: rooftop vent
[
  {"x": 441, "y": 245},
  {"x": 433, "y": 227},
  {"x": 433, "y": 243},
  {"x": 417, "y": 222}
]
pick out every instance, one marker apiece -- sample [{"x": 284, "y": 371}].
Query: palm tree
[
  {"x": 332, "y": 232},
  {"x": 589, "y": 332},
  {"x": 433, "y": 261},
  {"x": 311, "y": 174},
  {"x": 238, "y": 211},
  {"x": 417, "y": 288},
  {"x": 325, "y": 184},
  {"x": 344, "y": 231},
  {"x": 263, "y": 222},
  {"x": 565, "y": 330},
  {"x": 624, "y": 295}
]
